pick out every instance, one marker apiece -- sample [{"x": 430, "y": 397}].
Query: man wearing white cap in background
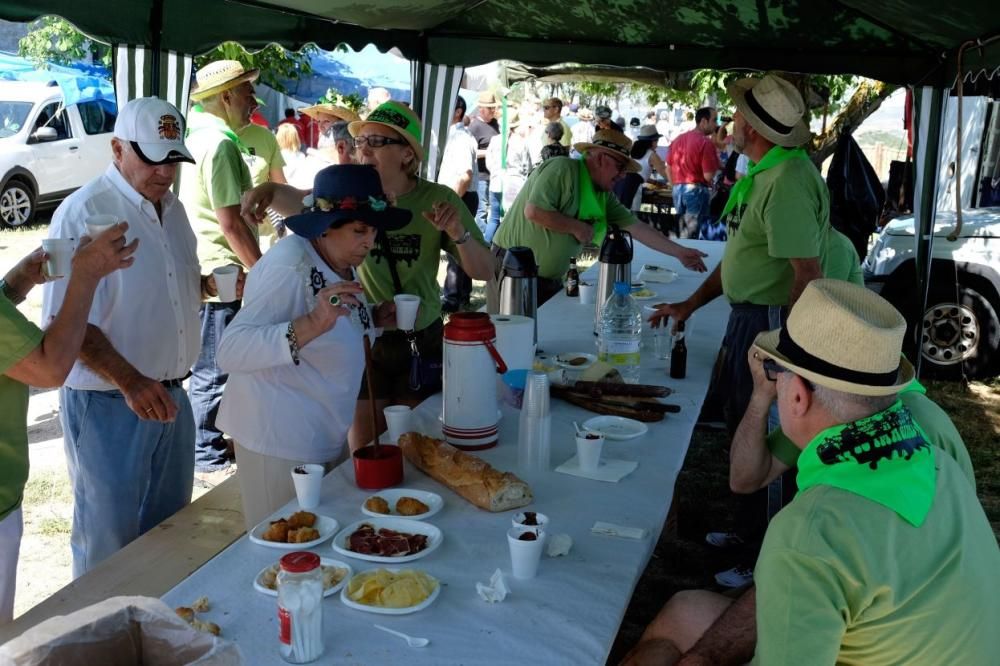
[
  {"x": 211, "y": 189},
  {"x": 126, "y": 419}
]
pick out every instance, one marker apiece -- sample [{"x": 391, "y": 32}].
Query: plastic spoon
[
  {"x": 412, "y": 641},
  {"x": 579, "y": 432}
]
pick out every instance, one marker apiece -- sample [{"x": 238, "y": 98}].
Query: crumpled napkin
[
  {"x": 559, "y": 544},
  {"x": 496, "y": 591},
  {"x": 621, "y": 531}
]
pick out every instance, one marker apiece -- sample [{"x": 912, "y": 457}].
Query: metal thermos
[
  {"x": 519, "y": 284},
  {"x": 615, "y": 262}
]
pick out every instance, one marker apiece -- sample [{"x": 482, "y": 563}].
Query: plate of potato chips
[{"x": 390, "y": 591}]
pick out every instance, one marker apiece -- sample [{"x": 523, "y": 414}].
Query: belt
[{"x": 174, "y": 383}]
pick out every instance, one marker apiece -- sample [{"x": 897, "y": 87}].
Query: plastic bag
[{"x": 856, "y": 194}]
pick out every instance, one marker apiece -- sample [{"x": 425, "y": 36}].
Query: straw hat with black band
[
  {"x": 611, "y": 141},
  {"x": 220, "y": 76},
  {"x": 398, "y": 117},
  {"x": 844, "y": 337},
  {"x": 329, "y": 112},
  {"x": 774, "y": 108}
]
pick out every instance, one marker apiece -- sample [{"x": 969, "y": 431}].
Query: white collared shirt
[{"x": 148, "y": 311}]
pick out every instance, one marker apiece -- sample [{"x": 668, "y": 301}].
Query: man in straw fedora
[
  {"x": 885, "y": 555},
  {"x": 323, "y": 116},
  {"x": 210, "y": 190},
  {"x": 568, "y": 203}
]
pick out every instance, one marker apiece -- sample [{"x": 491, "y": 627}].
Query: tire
[
  {"x": 17, "y": 204},
  {"x": 956, "y": 338}
]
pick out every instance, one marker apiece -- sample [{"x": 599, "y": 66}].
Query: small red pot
[{"x": 375, "y": 473}]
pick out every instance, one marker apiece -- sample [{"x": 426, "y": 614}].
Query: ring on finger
[
  {"x": 149, "y": 409},
  {"x": 335, "y": 300}
]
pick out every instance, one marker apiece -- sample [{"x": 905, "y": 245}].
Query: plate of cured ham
[{"x": 388, "y": 540}]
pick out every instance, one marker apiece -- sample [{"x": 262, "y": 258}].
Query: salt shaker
[
  {"x": 300, "y": 607},
  {"x": 535, "y": 426}
]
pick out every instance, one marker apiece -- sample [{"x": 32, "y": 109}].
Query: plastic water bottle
[{"x": 621, "y": 333}]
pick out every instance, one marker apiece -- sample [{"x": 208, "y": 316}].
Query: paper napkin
[
  {"x": 622, "y": 531},
  {"x": 559, "y": 544},
  {"x": 496, "y": 591},
  {"x": 610, "y": 470}
]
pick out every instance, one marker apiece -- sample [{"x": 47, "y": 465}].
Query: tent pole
[{"x": 156, "y": 41}]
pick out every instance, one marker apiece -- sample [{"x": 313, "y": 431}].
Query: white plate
[
  {"x": 351, "y": 603},
  {"x": 392, "y": 495},
  {"x": 563, "y": 360},
  {"x": 640, "y": 297},
  {"x": 434, "y": 538},
  {"x": 616, "y": 427},
  {"x": 325, "y": 561},
  {"x": 325, "y": 525}
]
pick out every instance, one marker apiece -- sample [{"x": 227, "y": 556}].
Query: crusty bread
[{"x": 469, "y": 476}]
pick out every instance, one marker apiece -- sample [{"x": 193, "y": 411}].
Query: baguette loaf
[{"x": 469, "y": 476}]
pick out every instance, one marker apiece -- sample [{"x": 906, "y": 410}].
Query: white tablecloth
[{"x": 570, "y": 613}]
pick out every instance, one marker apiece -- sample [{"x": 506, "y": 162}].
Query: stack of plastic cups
[{"x": 535, "y": 432}]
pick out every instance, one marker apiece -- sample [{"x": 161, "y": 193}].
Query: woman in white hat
[{"x": 644, "y": 152}]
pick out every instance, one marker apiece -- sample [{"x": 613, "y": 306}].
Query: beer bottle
[
  {"x": 679, "y": 354},
  {"x": 572, "y": 279}
]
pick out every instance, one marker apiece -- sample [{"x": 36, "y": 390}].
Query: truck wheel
[
  {"x": 953, "y": 336},
  {"x": 17, "y": 204}
]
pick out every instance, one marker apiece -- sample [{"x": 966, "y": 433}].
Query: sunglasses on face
[
  {"x": 377, "y": 141},
  {"x": 772, "y": 370}
]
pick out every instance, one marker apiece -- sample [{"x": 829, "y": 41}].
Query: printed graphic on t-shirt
[
  {"x": 316, "y": 280},
  {"x": 405, "y": 247},
  {"x": 733, "y": 219}
]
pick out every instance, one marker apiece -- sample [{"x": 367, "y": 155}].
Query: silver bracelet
[{"x": 293, "y": 343}]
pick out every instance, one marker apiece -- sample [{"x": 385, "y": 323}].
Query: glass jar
[{"x": 300, "y": 607}]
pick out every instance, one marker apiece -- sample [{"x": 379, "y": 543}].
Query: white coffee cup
[
  {"x": 588, "y": 450},
  {"x": 225, "y": 282},
  {"x": 98, "y": 224},
  {"x": 588, "y": 292},
  {"x": 307, "y": 479},
  {"x": 406, "y": 311},
  {"x": 60, "y": 251},
  {"x": 525, "y": 555},
  {"x": 399, "y": 420}
]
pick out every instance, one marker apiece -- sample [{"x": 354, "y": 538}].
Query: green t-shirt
[
  {"x": 264, "y": 154},
  {"x": 842, "y": 579},
  {"x": 18, "y": 337},
  {"x": 839, "y": 260},
  {"x": 933, "y": 420},
  {"x": 218, "y": 179},
  {"x": 784, "y": 217},
  {"x": 554, "y": 185},
  {"x": 417, "y": 249}
]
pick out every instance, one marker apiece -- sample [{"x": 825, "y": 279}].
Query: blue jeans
[
  {"x": 693, "y": 210},
  {"x": 128, "y": 474},
  {"x": 494, "y": 219},
  {"x": 206, "y": 386},
  {"x": 482, "y": 210}
]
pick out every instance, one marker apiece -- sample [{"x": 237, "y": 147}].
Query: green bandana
[
  {"x": 742, "y": 188},
  {"x": 885, "y": 457},
  {"x": 200, "y": 119},
  {"x": 592, "y": 210}
]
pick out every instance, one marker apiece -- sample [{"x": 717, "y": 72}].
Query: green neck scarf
[
  {"x": 772, "y": 158},
  {"x": 592, "y": 209},
  {"x": 200, "y": 119},
  {"x": 885, "y": 458}
]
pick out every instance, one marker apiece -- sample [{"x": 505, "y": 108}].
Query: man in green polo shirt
[
  {"x": 885, "y": 556},
  {"x": 29, "y": 356},
  {"x": 566, "y": 204},
  {"x": 211, "y": 190}
]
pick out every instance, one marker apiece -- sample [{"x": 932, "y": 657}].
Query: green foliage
[
  {"x": 52, "y": 39},
  {"x": 354, "y": 102},
  {"x": 275, "y": 62}
]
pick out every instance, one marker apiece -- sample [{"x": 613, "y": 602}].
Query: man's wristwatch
[
  {"x": 15, "y": 297},
  {"x": 464, "y": 238}
]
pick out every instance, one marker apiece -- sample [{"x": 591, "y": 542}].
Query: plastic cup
[
  {"x": 406, "y": 311},
  {"x": 98, "y": 224},
  {"x": 307, "y": 480},
  {"x": 536, "y": 399},
  {"x": 60, "y": 261},
  {"x": 225, "y": 282},
  {"x": 525, "y": 554},
  {"x": 588, "y": 450},
  {"x": 588, "y": 293},
  {"x": 399, "y": 419}
]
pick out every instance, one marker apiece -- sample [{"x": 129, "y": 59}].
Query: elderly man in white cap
[
  {"x": 885, "y": 556},
  {"x": 567, "y": 203},
  {"x": 126, "y": 419},
  {"x": 777, "y": 219},
  {"x": 211, "y": 189}
]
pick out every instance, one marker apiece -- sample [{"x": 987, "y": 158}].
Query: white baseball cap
[{"x": 155, "y": 129}]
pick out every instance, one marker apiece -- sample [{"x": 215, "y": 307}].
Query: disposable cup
[
  {"x": 60, "y": 261},
  {"x": 98, "y": 224},
  {"x": 588, "y": 450},
  {"x": 399, "y": 419},
  {"x": 525, "y": 554},
  {"x": 541, "y": 520},
  {"x": 536, "y": 394},
  {"x": 307, "y": 480},
  {"x": 406, "y": 311},
  {"x": 588, "y": 292},
  {"x": 225, "y": 282}
]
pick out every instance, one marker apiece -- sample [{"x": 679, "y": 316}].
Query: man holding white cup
[{"x": 126, "y": 419}]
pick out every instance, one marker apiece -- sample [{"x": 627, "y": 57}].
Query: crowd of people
[{"x": 879, "y": 555}]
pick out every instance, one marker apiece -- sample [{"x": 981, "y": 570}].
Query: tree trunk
[{"x": 864, "y": 102}]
